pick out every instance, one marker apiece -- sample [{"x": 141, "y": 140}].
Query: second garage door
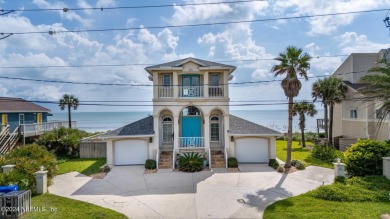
[
  {"x": 128, "y": 152},
  {"x": 252, "y": 150}
]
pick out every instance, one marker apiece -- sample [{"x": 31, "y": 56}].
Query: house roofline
[
  {"x": 124, "y": 136},
  {"x": 255, "y": 135},
  {"x": 25, "y": 111}
]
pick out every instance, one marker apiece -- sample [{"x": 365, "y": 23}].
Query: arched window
[
  {"x": 167, "y": 127},
  {"x": 214, "y": 128},
  {"x": 190, "y": 111}
]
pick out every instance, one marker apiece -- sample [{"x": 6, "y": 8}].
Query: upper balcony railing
[
  {"x": 190, "y": 91},
  {"x": 38, "y": 129},
  {"x": 216, "y": 91},
  {"x": 165, "y": 91}
]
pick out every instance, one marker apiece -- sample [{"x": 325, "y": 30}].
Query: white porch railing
[
  {"x": 165, "y": 91},
  {"x": 216, "y": 91},
  {"x": 38, "y": 129},
  {"x": 190, "y": 91},
  {"x": 191, "y": 142}
]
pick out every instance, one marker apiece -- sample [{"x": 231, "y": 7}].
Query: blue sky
[{"x": 321, "y": 36}]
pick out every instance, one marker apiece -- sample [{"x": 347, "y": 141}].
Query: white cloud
[
  {"x": 84, "y": 4},
  {"x": 351, "y": 42},
  {"x": 105, "y": 3}
]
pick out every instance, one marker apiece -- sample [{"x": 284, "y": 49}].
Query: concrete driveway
[{"x": 208, "y": 194}]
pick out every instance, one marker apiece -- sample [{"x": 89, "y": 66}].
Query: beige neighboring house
[
  {"x": 190, "y": 113},
  {"x": 354, "y": 119}
]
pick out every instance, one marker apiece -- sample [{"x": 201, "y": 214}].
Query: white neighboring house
[
  {"x": 190, "y": 113},
  {"x": 353, "y": 118}
]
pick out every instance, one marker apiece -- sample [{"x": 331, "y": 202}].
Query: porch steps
[
  {"x": 165, "y": 161},
  {"x": 218, "y": 159}
]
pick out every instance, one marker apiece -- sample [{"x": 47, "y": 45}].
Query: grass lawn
[
  {"x": 299, "y": 154},
  {"x": 52, "y": 206},
  {"x": 84, "y": 166},
  {"x": 356, "y": 199}
]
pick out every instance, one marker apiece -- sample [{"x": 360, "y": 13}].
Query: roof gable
[
  {"x": 241, "y": 126},
  {"x": 9, "y": 104}
]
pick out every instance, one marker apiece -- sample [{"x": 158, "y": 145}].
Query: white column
[
  {"x": 41, "y": 181},
  {"x": 206, "y": 84},
  {"x": 176, "y": 132},
  {"x": 339, "y": 169},
  {"x": 156, "y": 127},
  {"x": 206, "y": 131},
  {"x": 226, "y": 86},
  {"x": 110, "y": 153},
  {"x": 226, "y": 127},
  {"x": 272, "y": 148},
  {"x": 175, "y": 85},
  {"x": 155, "y": 83},
  {"x": 386, "y": 167}
]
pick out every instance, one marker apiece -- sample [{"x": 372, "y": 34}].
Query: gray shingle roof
[
  {"x": 10, "y": 104},
  {"x": 245, "y": 127},
  {"x": 141, "y": 127},
  {"x": 177, "y": 63},
  {"x": 355, "y": 86}
]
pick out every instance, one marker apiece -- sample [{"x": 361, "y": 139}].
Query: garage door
[
  {"x": 252, "y": 150},
  {"x": 129, "y": 152}
]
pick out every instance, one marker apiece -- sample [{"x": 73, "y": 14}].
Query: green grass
[
  {"x": 362, "y": 198},
  {"x": 52, "y": 206},
  {"x": 299, "y": 153},
  {"x": 84, "y": 166}
]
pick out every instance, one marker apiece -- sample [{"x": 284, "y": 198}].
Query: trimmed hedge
[
  {"x": 28, "y": 160},
  {"x": 150, "y": 164},
  {"x": 365, "y": 157},
  {"x": 232, "y": 162},
  {"x": 273, "y": 163},
  {"x": 300, "y": 165}
]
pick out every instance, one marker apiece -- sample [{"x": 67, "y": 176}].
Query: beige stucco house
[
  {"x": 190, "y": 113},
  {"x": 354, "y": 118}
]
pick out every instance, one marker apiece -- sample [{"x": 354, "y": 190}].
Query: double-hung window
[{"x": 353, "y": 113}]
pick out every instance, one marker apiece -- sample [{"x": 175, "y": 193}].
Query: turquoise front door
[
  {"x": 191, "y": 131},
  {"x": 191, "y": 85}
]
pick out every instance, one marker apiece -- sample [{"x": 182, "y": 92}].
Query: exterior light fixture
[{"x": 387, "y": 21}]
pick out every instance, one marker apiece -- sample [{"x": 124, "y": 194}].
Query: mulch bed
[
  {"x": 148, "y": 171},
  {"x": 292, "y": 169},
  {"x": 100, "y": 175}
]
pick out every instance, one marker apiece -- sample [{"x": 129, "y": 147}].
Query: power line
[
  {"x": 152, "y": 85},
  {"x": 145, "y": 64},
  {"x": 127, "y": 7},
  {"x": 52, "y": 32}
]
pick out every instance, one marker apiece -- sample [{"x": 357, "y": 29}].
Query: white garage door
[
  {"x": 129, "y": 152},
  {"x": 252, "y": 150}
]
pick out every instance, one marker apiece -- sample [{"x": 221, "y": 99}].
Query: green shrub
[
  {"x": 280, "y": 169},
  {"x": 191, "y": 162},
  {"x": 340, "y": 179},
  {"x": 365, "y": 157},
  {"x": 356, "y": 189},
  {"x": 63, "y": 142},
  {"x": 326, "y": 153},
  {"x": 273, "y": 163},
  {"x": 300, "y": 165},
  {"x": 28, "y": 160},
  {"x": 150, "y": 164},
  {"x": 232, "y": 162}
]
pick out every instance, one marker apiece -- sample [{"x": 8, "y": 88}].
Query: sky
[{"x": 327, "y": 38}]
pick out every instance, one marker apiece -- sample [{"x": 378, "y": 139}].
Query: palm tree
[
  {"x": 292, "y": 63},
  {"x": 69, "y": 101},
  {"x": 303, "y": 108},
  {"x": 377, "y": 87},
  {"x": 331, "y": 91}
]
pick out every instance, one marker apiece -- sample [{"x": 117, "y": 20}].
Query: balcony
[
  {"x": 29, "y": 130},
  {"x": 190, "y": 91},
  {"x": 165, "y": 91},
  {"x": 191, "y": 142},
  {"x": 216, "y": 91}
]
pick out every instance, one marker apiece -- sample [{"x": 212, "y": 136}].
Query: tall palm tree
[
  {"x": 69, "y": 101},
  {"x": 319, "y": 91},
  {"x": 377, "y": 87},
  {"x": 292, "y": 63},
  {"x": 331, "y": 91},
  {"x": 303, "y": 108},
  {"x": 337, "y": 92}
]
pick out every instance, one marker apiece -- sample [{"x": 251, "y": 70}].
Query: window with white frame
[
  {"x": 214, "y": 128},
  {"x": 167, "y": 127},
  {"x": 353, "y": 113}
]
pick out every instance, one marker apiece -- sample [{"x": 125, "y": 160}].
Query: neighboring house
[
  {"x": 354, "y": 118},
  {"x": 190, "y": 113}
]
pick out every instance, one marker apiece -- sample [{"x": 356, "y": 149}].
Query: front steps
[
  {"x": 165, "y": 161},
  {"x": 218, "y": 159}
]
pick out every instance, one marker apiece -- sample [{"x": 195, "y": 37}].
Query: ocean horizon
[{"x": 105, "y": 121}]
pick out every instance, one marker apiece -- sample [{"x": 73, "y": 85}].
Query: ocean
[{"x": 104, "y": 121}]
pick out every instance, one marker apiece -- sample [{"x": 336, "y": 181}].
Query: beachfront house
[
  {"x": 354, "y": 118},
  {"x": 22, "y": 118},
  {"x": 190, "y": 113}
]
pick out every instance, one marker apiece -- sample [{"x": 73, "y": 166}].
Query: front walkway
[{"x": 208, "y": 194}]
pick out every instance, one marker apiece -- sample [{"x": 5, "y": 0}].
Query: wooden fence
[{"x": 92, "y": 149}]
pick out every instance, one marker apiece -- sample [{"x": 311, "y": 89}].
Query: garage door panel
[
  {"x": 252, "y": 150},
  {"x": 128, "y": 152}
]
